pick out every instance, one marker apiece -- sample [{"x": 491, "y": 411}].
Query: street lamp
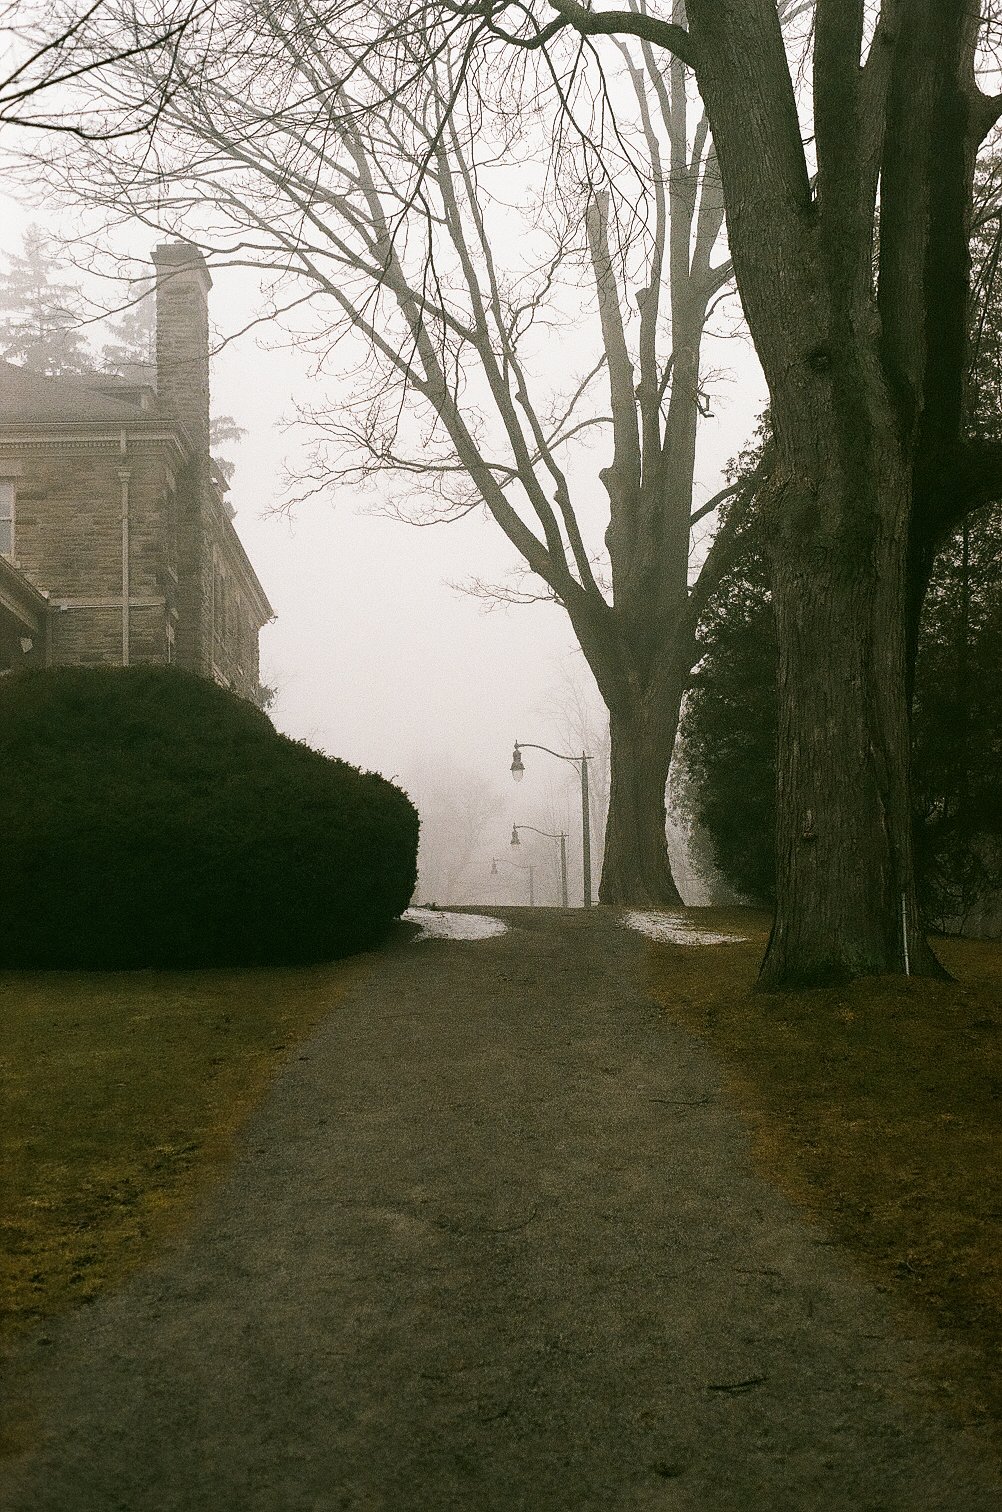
[
  {"x": 563, "y": 853},
  {"x": 530, "y": 869},
  {"x": 581, "y": 762}
]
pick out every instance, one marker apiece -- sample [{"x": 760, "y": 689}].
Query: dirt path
[{"x": 493, "y": 1244}]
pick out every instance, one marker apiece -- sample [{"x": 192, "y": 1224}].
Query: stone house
[{"x": 117, "y": 545}]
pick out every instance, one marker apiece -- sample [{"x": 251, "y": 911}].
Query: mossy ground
[
  {"x": 120, "y": 1094},
  {"x": 877, "y": 1107}
]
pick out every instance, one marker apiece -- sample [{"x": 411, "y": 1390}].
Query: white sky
[{"x": 376, "y": 658}]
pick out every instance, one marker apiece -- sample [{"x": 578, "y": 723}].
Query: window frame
[{"x": 6, "y": 480}]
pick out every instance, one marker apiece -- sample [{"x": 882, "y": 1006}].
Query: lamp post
[
  {"x": 581, "y": 762},
  {"x": 530, "y": 869},
  {"x": 563, "y": 853}
]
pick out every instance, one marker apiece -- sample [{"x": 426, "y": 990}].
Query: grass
[
  {"x": 877, "y": 1107},
  {"x": 120, "y": 1095}
]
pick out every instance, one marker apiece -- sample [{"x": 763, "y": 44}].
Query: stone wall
[
  {"x": 68, "y": 543},
  {"x": 193, "y": 596},
  {"x": 236, "y": 611}
]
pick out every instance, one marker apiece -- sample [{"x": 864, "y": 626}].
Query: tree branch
[
  {"x": 624, "y": 476},
  {"x": 715, "y": 503},
  {"x": 627, "y": 24}
]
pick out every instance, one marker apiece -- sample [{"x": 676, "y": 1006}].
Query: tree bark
[
  {"x": 843, "y": 405},
  {"x": 635, "y": 868},
  {"x": 845, "y": 902},
  {"x": 867, "y": 402}
]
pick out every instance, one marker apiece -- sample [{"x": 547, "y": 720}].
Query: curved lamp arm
[
  {"x": 581, "y": 764},
  {"x": 530, "y": 745},
  {"x": 549, "y": 835}
]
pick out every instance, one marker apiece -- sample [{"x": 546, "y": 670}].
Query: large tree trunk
[
  {"x": 845, "y": 901},
  {"x": 635, "y": 868},
  {"x": 867, "y": 395}
]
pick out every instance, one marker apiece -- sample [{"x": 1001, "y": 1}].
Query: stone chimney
[{"x": 183, "y": 284}]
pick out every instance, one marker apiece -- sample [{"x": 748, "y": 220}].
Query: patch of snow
[
  {"x": 672, "y": 930},
  {"x": 439, "y": 924}
]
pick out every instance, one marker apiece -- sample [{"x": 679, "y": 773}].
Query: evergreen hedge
[{"x": 151, "y": 818}]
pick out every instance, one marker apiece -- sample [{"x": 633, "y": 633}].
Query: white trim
[
  {"x": 92, "y": 442},
  {"x": 11, "y": 518},
  {"x": 112, "y": 601},
  {"x": 19, "y": 610}
]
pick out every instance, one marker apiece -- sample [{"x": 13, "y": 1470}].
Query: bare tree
[
  {"x": 458, "y": 809},
  {"x": 860, "y": 322},
  {"x": 383, "y": 217},
  {"x": 866, "y": 380},
  {"x": 59, "y": 57},
  {"x": 579, "y": 716}
]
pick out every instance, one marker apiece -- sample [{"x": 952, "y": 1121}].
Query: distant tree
[
  {"x": 457, "y": 808},
  {"x": 41, "y": 314},
  {"x": 574, "y": 708},
  {"x": 224, "y": 430},
  {"x": 957, "y": 715},
  {"x": 133, "y": 332}
]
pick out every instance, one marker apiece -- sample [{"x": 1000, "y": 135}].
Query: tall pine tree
[{"x": 41, "y": 315}]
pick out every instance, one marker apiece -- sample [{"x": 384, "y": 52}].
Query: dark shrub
[{"x": 150, "y": 818}]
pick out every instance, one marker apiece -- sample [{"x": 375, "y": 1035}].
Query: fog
[{"x": 377, "y": 657}]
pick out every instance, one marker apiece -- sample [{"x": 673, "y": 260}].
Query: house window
[{"x": 7, "y": 517}]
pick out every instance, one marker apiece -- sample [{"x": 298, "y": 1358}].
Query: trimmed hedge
[{"x": 151, "y": 818}]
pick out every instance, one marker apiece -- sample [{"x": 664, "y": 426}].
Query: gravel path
[{"x": 493, "y": 1243}]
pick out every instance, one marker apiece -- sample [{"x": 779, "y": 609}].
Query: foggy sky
[{"x": 375, "y": 657}]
